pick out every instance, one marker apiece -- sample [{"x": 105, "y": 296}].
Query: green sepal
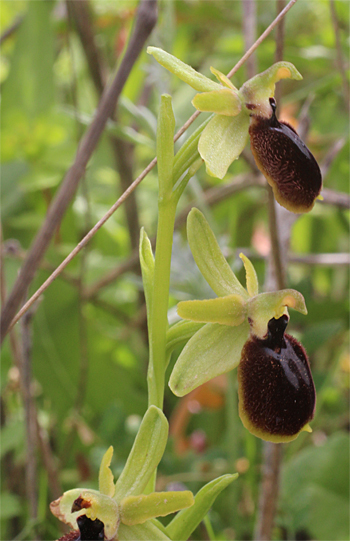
[
  {"x": 105, "y": 477},
  {"x": 94, "y": 505},
  {"x": 185, "y": 522},
  {"x": 209, "y": 259},
  {"x": 145, "y": 454},
  {"x": 266, "y": 306},
  {"x": 183, "y": 71},
  {"x": 229, "y": 310},
  {"x": 222, "y": 141},
  {"x": 213, "y": 350},
  {"x": 260, "y": 88},
  {"x": 141, "y": 532},
  {"x": 251, "y": 277},
  {"x": 138, "y": 509},
  {"x": 179, "y": 333},
  {"x": 147, "y": 270},
  {"x": 165, "y": 146},
  {"x": 223, "y": 102}
]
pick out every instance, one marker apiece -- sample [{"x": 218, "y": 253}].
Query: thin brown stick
[
  {"x": 144, "y": 24},
  {"x": 124, "y": 196},
  {"x": 11, "y": 30}
]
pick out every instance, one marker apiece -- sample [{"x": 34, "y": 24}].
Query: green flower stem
[{"x": 159, "y": 320}]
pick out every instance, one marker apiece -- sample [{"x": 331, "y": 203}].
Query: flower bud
[
  {"x": 276, "y": 391},
  {"x": 285, "y": 161}
]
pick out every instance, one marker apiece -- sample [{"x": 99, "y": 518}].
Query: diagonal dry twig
[
  {"x": 9, "y": 324},
  {"x": 144, "y": 24}
]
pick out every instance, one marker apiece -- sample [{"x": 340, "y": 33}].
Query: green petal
[
  {"x": 94, "y": 505},
  {"x": 251, "y": 277},
  {"x": 145, "y": 454},
  {"x": 209, "y": 258},
  {"x": 138, "y": 509},
  {"x": 105, "y": 477},
  {"x": 222, "y": 78},
  {"x": 265, "y": 306},
  {"x": 141, "y": 532},
  {"x": 212, "y": 351},
  {"x": 260, "y": 88},
  {"x": 222, "y": 141},
  {"x": 183, "y": 71},
  {"x": 223, "y": 102},
  {"x": 230, "y": 310},
  {"x": 187, "y": 520}
]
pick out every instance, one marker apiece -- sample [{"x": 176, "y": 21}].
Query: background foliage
[{"x": 89, "y": 347}]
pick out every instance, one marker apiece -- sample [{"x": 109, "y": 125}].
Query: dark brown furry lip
[
  {"x": 276, "y": 390},
  {"x": 285, "y": 161}
]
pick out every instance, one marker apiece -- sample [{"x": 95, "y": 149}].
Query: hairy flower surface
[
  {"x": 277, "y": 396},
  {"x": 283, "y": 158}
]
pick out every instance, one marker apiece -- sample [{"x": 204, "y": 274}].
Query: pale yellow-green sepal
[
  {"x": 229, "y": 310},
  {"x": 222, "y": 141},
  {"x": 105, "y": 477},
  {"x": 251, "y": 277},
  {"x": 138, "y": 509},
  {"x": 223, "y": 102}
]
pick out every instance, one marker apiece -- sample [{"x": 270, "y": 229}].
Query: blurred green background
[{"x": 89, "y": 343}]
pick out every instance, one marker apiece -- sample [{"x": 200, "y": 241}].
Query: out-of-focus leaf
[{"x": 10, "y": 505}]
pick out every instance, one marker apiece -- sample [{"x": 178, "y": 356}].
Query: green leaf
[
  {"x": 212, "y": 351},
  {"x": 165, "y": 146},
  {"x": 183, "y": 71},
  {"x": 145, "y": 454},
  {"x": 147, "y": 270},
  {"x": 11, "y": 505},
  {"x": 315, "y": 489},
  {"x": 223, "y": 102},
  {"x": 185, "y": 522},
  {"x": 105, "y": 478},
  {"x": 229, "y": 310},
  {"x": 265, "y": 306},
  {"x": 138, "y": 509},
  {"x": 141, "y": 532},
  {"x": 222, "y": 142},
  {"x": 260, "y": 88},
  {"x": 251, "y": 277},
  {"x": 180, "y": 333},
  {"x": 188, "y": 153},
  {"x": 209, "y": 259}
]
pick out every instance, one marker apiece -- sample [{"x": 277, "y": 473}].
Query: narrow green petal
[
  {"x": 212, "y": 351},
  {"x": 223, "y": 102},
  {"x": 209, "y": 258},
  {"x": 251, "y": 277},
  {"x": 138, "y": 509},
  {"x": 145, "y": 454},
  {"x": 260, "y": 88},
  {"x": 185, "y": 522},
  {"x": 265, "y": 306},
  {"x": 222, "y": 78},
  {"x": 230, "y": 310},
  {"x": 183, "y": 71},
  {"x": 222, "y": 141},
  {"x": 105, "y": 477},
  {"x": 141, "y": 532}
]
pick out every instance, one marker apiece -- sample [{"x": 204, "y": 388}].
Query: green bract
[
  {"x": 229, "y": 319},
  {"x": 226, "y": 134}
]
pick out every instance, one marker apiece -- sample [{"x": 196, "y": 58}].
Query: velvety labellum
[
  {"x": 276, "y": 391},
  {"x": 285, "y": 161},
  {"x": 90, "y": 530}
]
